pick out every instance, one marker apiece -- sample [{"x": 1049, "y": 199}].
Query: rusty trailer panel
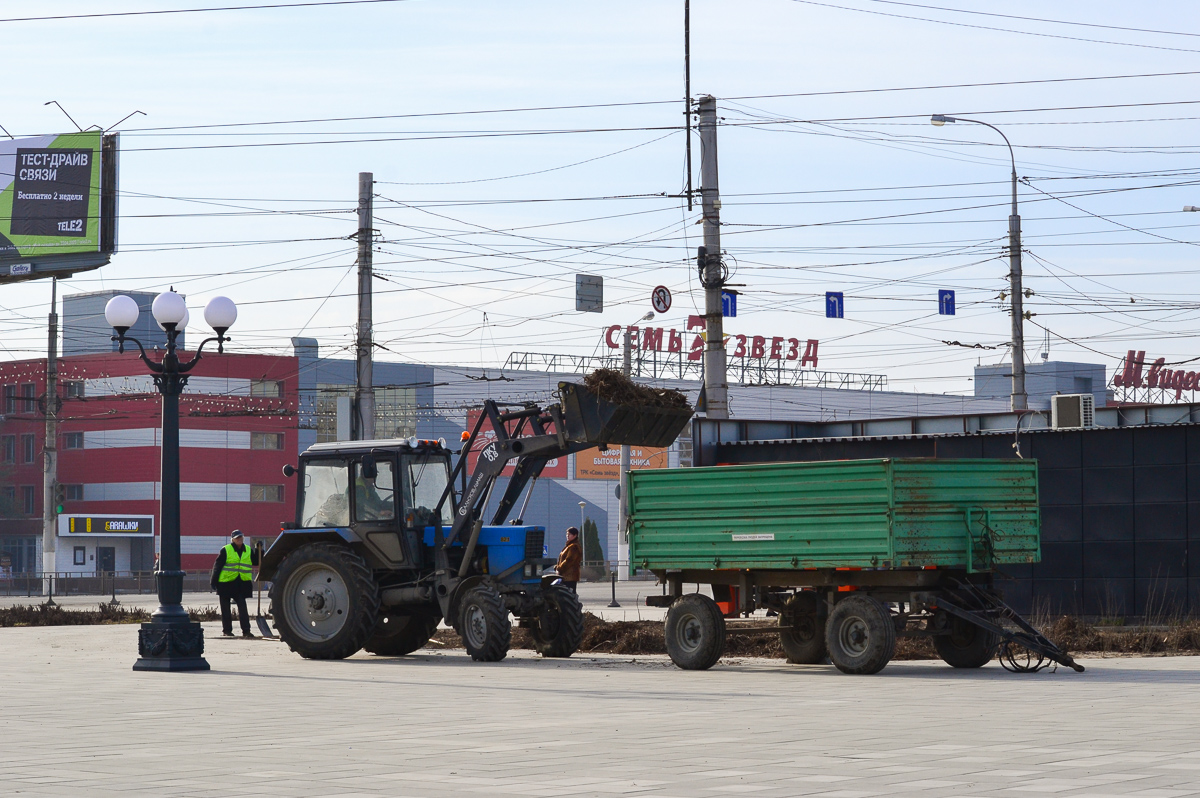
[{"x": 884, "y": 513}]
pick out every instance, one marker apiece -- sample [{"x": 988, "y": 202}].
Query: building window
[
  {"x": 395, "y": 412},
  {"x": 266, "y": 493},
  {"x": 73, "y": 440},
  {"x": 9, "y": 506},
  {"x": 28, "y": 499},
  {"x": 266, "y": 440},
  {"x": 10, "y": 398},
  {"x": 81, "y": 555},
  {"x": 28, "y": 448},
  {"x": 8, "y": 449},
  {"x": 29, "y": 397},
  {"x": 269, "y": 388},
  {"x": 73, "y": 493},
  {"x": 73, "y": 389}
]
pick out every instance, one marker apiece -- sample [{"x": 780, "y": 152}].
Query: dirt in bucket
[{"x": 613, "y": 386}]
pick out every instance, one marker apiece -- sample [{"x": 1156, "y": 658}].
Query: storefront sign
[
  {"x": 595, "y": 464},
  {"x": 1157, "y": 376},
  {"x": 556, "y": 467},
  {"x": 755, "y": 347},
  {"x": 111, "y": 526}
]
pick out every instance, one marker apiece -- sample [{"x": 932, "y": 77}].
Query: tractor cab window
[
  {"x": 375, "y": 497},
  {"x": 425, "y": 476},
  {"x": 326, "y": 494}
]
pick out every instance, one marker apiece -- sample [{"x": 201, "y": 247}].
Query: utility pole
[
  {"x": 716, "y": 387},
  {"x": 623, "y": 481},
  {"x": 1020, "y": 399},
  {"x": 364, "y": 393},
  {"x": 50, "y": 448}
]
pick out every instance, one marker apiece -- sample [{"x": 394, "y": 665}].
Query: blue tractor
[{"x": 389, "y": 535}]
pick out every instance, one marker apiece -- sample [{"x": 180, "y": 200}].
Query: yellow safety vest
[{"x": 237, "y": 566}]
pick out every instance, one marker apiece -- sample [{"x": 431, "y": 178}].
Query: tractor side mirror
[
  {"x": 369, "y": 469},
  {"x": 288, "y": 470}
]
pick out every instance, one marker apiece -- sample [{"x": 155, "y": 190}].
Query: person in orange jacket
[{"x": 570, "y": 559}]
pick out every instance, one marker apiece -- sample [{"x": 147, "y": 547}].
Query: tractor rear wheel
[
  {"x": 967, "y": 645},
  {"x": 400, "y": 633},
  {"x": 558, "y": 628},
  {"x": 694, "y": 632},
  {"x": 861, "y": 635},
  {"x": 324, "y": 601},
  {"x": 803, "y": 629},
  {"x": 484, "y": 625}
]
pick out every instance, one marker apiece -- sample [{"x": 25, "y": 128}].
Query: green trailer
[{"x": 849, "y": 554}]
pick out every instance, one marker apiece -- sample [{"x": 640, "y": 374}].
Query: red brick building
[{"x": 237, "y": 430}]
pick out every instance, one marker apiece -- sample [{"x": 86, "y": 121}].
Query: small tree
[{"x": 593, "y": 551}]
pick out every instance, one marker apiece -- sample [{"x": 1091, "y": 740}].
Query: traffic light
[{"x": 60, "y": 498}]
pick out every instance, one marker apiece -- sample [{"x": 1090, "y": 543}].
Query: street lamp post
[
  {"x": 1020, "y": 400},
  {"x": 171, "y": 641},
  {"x": 622, "y": 500}
]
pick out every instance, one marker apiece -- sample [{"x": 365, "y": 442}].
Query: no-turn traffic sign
[{"x": 660, "y": 298}]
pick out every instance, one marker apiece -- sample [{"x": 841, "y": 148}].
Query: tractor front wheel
[
  {"x": 484, "y": 625},
  {"x": 558, "y": 627}
]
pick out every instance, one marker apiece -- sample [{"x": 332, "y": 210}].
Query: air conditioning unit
[{"x": 1069, "y": 411}]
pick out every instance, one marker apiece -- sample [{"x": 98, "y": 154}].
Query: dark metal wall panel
[
  {"x": 1108, "y": 522},
  {"x": 1108, "y": 559},
  {"x": 1108, "y": 485},
  {"x": 1061, "y": 450},
  {"x": 1060, "y": 561},
  {"x": 1159, "y": 483},
  {"x": 1112, "y": 597},
  {"x": 1062, "y": 523},
  {"x": 1060, "y": 485},
  {"x": 1160, "y": 559},
  {"x": 1160, "y": 598},
  {"x": 1160, "y": 521},
  {"x": 1161, "y": 446},
  {"x": 1108, "y": 447},
  {"x": 1058, "y": 596}
]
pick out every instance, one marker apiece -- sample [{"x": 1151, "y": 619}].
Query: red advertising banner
[{"x": 554, "y": 468}]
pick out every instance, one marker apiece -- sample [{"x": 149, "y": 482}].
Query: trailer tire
[
  {"x": 967, "y": 645},
  {"x": 324, "y": 601},
  {"x": 483, "y": 624},
  {"x": 694, "y": 632},
  {"x": 803, "y": 635},
  {"x": 558, "y": 628},
  {"x": 400, "y": 633},
  {"x": 861, "y": 635}
]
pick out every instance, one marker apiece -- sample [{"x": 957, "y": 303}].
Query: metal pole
[
  {"x": 50, "y": 445},
  {"x": 716, "y": 386},
  {"x": 623, "y": 500},
  {"x": 687, "y": 92},
  {"x": 365, "y": 391},
  {"x": 1020, "y": 399}
]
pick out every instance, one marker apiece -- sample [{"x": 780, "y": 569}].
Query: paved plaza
[{"x": 77, "y": 721}]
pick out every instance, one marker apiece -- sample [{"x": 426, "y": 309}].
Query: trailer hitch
[{"x": 1011, "y": 642}]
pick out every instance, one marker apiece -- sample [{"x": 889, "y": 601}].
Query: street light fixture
[
  {"x": 1020, "y": 400},
  {"x": 171, "y": 641}
]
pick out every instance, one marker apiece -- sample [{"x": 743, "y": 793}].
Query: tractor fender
[{"x": 291, "y": 539}]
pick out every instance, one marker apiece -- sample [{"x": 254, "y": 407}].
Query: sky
[{"x": 516, "y": 145}]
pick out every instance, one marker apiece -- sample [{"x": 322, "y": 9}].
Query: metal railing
[{"x": 103, "y": 583}]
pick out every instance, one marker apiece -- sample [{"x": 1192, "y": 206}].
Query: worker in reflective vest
[{"x": 233, "y": 579}]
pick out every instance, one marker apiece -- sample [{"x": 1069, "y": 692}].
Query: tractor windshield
[
  {"x": 425, "y": 476},
  {"x": 326, "y": 499}
]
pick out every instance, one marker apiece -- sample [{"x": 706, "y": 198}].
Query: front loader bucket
[{"x": 590, "y": 419}]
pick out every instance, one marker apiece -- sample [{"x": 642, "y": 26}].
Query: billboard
[
  {"x": 556, "y": 467},
  {"x": 595, "y": 464},
  {"x": 57, "y": 204}
]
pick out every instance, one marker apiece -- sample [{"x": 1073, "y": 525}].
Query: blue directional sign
[
  {"x": 945, "y": 302},
  {"x": 728, "y": 304},
  {"x": 834, "y": 305}
]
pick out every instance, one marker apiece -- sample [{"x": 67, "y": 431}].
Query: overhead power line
[{"x": 200, "y": 10}]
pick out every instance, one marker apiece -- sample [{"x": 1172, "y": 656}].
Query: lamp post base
[{"x": 171, "y": 647}]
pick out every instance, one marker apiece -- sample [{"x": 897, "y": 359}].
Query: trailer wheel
[
  {"x": 861, "y": 635},
  {"x": 484, "y": 626},
  {"x": 803, "y": 635},
  {"x": 324, "y": 601},
  {"x": 967, "y": 645},
  {"x": 694, "y": 632},
  {"x": 397, "y": 634},
  {"x": 558, "y": 628}
]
